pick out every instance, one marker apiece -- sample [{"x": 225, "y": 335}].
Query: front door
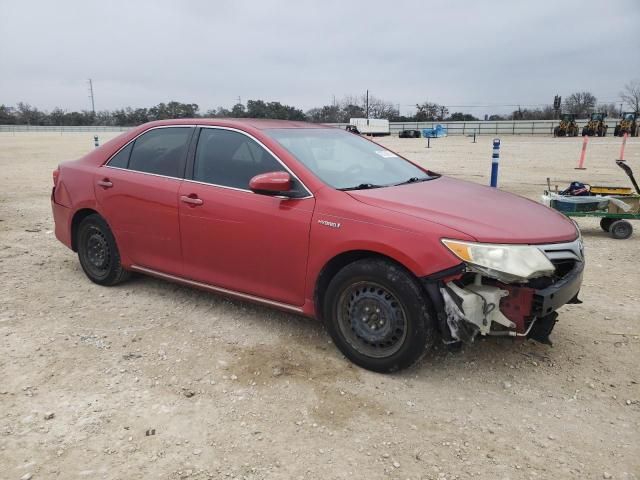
[{"x": 234, "y": 238}]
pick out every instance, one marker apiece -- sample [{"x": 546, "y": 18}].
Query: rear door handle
[
  {"x": 191, "y": 199},
  {"x": 105, "y": 183}
]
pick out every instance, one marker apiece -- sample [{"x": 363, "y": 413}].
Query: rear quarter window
[{"x": 121, "y": 159}]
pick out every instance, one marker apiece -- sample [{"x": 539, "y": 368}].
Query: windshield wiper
[
  {"x": 362, "y": 186},
  {"x": 414, "y": 180}
]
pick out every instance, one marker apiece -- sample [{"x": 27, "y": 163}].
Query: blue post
[
  {"x": 95, "y": 141},
  {"x": 495, "y": 159}
]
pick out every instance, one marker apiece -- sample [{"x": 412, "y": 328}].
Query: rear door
[
  {"x": 138, "y": 194},
  {"x": 234, "y": 238}
]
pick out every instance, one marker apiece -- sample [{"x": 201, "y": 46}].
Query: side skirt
[{"x": 213, "y": 288}]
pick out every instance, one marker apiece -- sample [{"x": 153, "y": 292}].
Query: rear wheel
[
  {"x": 605, "y": 223},
  {"x": 98, "y": 252},
  {"x": 378, "y": 315},
  {"x": 621, "y": 229}
]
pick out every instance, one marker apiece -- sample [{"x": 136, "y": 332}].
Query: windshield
[{"x": 345, "y": 160}]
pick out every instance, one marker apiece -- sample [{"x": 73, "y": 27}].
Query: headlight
[{"x": 508, "y": 262}]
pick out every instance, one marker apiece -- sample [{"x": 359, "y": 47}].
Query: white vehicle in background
[{"x": 371, "y": 126}]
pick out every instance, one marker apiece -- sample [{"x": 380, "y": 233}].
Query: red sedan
[{"x": 322, "y": 222}]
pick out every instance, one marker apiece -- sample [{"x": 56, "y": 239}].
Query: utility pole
[
  {"x": 239, "y": 100},
  {"x": 620, "y": 110},
  {"x": 367, "y": 107},
  {"x": 93, "y": 104}
]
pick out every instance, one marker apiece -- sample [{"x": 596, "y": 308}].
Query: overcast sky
[{"x": 467, "y": 52}]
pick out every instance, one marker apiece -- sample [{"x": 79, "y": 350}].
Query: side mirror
[{"x": 271, "y": 183}]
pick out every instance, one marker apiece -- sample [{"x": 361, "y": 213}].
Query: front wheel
[
  {"x": 378, "y": 316},
  {"x": 98, "y": 252}
]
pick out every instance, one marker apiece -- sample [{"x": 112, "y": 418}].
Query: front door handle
[
  {"x": 105, "y": 183},
  {"x": 191, "y": 199}
]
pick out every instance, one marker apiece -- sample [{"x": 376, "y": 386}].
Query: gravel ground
[{"x": 153, "y": 380}]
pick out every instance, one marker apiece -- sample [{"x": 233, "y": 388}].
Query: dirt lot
[{"x": 153, "y": 380}]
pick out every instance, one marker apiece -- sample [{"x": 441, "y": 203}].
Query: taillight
[{"x": 56, "y": 174}]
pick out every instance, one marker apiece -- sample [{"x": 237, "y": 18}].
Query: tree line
[{"x": 579, "y": 103}]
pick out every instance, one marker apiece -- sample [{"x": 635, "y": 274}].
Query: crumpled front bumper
[
  {"x": 523, "y": 309},
  {"x": 565, "y": 290}
]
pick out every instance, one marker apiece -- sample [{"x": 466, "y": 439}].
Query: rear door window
[{"x": 161, "y": 151}]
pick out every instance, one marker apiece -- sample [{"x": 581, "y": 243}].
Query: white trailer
[{"x": 371, "y": 126}]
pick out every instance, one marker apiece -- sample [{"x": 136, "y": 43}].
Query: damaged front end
[{"x": 505, "y": 289}]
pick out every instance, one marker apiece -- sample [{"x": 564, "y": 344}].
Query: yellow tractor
[
  {"x": 567, "y": 127},
  {"x": 596, "y": 126},
  {"x": 628, "y": 124}
]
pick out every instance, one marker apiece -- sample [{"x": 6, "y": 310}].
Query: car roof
[{"x": 241, "y": 123}]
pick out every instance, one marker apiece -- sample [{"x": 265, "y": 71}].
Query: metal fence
[
  {"x": 60, "y": 129},
  {"x": 507, "y": 127}
]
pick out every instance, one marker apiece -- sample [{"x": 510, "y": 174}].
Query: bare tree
[
  {"x": 378, "y": 108},
  {"x": 580, "y": 103},
  {"x": 631, "y": 95},
  {"x": 608, "y": 108},
  {"x": 429, "y": 111}
]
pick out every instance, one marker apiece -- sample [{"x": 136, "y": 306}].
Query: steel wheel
[
  {"x": 372, "y": 319},
  {"x": 98, "y": 252}
]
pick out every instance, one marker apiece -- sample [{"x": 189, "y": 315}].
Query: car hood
[{"x": 487, "y": 214}]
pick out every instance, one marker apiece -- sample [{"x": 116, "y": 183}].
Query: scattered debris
[{"x": 131, "y": 356}]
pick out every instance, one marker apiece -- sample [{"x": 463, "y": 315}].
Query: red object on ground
[
  {"x": 583, "y": 153},
  {"x": 624, "y": 144}
]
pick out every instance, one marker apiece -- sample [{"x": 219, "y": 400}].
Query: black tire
[
  {"x": 605, "y": 223},
  {"x": 98, "y": 252},
  {"x": 396, "y": 326},
  {"x": 585, "y": 132},
  {"x": 621, "y": 229}
]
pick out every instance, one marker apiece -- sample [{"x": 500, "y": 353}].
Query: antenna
[{"x": 93, "y": 104}]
